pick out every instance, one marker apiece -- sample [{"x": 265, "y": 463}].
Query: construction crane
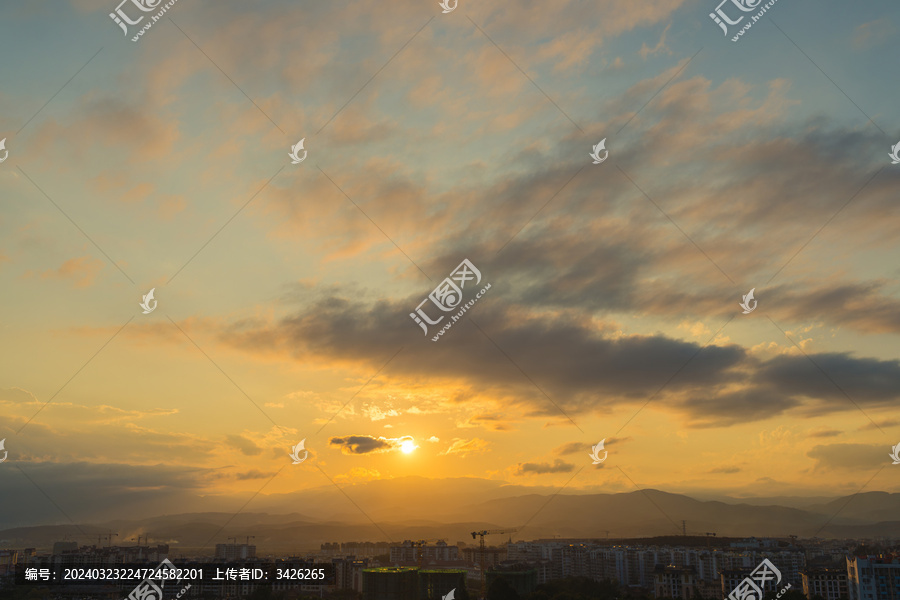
[
  {"x": 419, "y": 545},
  {"x": 250, "y": 537},
  {"x": 708, "y": 534},
  {"x": 481, "y": 546},
  {"x": 109, "y": 536}
]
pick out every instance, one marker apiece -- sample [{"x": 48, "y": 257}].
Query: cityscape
[{"x": 682, "y": 568}]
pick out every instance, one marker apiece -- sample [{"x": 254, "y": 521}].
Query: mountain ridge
[{"x": 638, "y": 514}]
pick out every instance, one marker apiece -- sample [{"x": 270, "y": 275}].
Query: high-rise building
[
  {"x": 235, "y": 551},
  {"x": 60, "y": 547},
  {"x": 520, "y": 552},
  {"x": 390, "y": 583},
  {"x": 873, "y": 577},
  {"x": 409, "y": 552},
  {"x": 364, "y": 548},
  {"x": 348, "y": 572},
  {"x": 708, "y": 588},
  {"x": 330, "y": 549},
  {"x": 411, "y": 583},
  {"x": 8, "y": 559},
  {"x": 572, "y": 560},
  {"x": 519, "y": 577},
  {"x": 492, "y": 556},
  {"x": 827, "y": 582},
  {"x": 731, "y": 578},
  {"x": 434, "y": 584},
  {"x": 674, "y": 582}
]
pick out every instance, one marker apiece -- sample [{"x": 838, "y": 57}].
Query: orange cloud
[
  {"x": 464, "y": 448},
  {"x": 81, "y": 271}
]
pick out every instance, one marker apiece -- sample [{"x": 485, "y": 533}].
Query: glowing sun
[{"x": 407, "y": 446}]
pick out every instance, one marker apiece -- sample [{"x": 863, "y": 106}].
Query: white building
[{"x": 873, "y": 577}]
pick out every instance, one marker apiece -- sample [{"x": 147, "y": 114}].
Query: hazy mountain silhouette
[{"x": 419, "y": 508}]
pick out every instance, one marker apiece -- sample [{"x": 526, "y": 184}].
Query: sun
[{"x": 407, "y": 446}]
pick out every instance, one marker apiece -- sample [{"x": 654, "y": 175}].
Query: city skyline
[{"x": 669, "y": 567}]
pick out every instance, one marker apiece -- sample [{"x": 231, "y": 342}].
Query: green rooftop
[
  {"x": 390, "y": 570},
  {"x": 443, "y": 571}
]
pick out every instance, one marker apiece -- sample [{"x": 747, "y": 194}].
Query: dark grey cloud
[
  {"x": 858, "y": 457},
  {"x": 572, "y": 448},
  {"x": 884, "y": 423},
  {"x": 246, "y": 446},
  {"x": 591, "y": 252},
  {"x": 579, "y": 255},
  {"x": 579, "y": 367},
  {"x": 826, "y": 433},
  {"x": 561, "y": 352},
  {"x": 832, "y": 377},
  {"x": 50, "y": 492},
  {"x": 254, "y": 474},
  {"x": 725, "y": 470},
  {"x": 360, "y": 444},
  {"x": 577, "y": 447},
  {"x": 716, "y": 408},
  {"x": 558, "y": 466},
  {"x": 863, "y": 306},
  {"x": 494, "y": 421}
]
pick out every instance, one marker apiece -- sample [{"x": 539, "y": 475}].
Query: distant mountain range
[{"x": 420, "y": 508}]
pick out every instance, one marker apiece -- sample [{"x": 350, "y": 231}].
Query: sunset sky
[{"x": 284, "y": 291}]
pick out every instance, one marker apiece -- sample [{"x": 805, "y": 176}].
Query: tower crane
[
  {"x": 419, "y": 545},
  {"x": 481, "y": 534}
]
